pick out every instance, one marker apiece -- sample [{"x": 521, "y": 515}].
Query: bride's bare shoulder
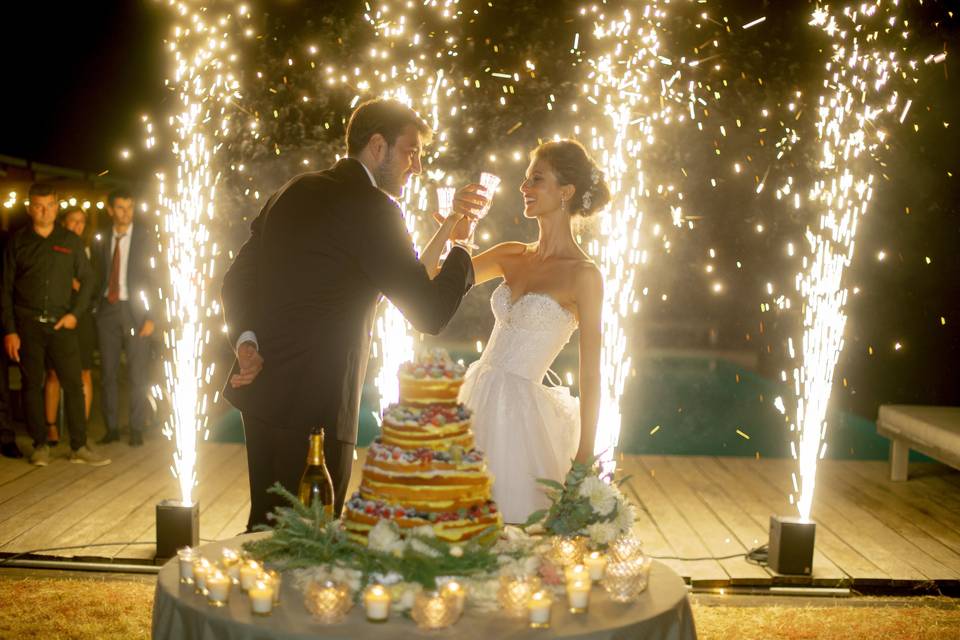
[{"x": 510, "y": 249}]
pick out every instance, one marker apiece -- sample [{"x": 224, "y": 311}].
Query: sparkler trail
[
  {"x": 859, "y": 96},
  {"x": 639, "y": 91},
  {"x": 205, "y": 86}
]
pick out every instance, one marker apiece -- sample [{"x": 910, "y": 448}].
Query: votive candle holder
[
  {"x": 218, "y": 588},
  {"x": 539, "y": 608},
  {"x": 328, "y": 601},
  {"x": 185, "y": 558},
  {"x": 596, "y": 564},
  {"x": 514, "y": 593},
  {"x": 578, "y": 595},
  {"x": 568, "y": 550},
  {"x": 625, "y": 581},
  {"x": 433, "y": 610},
  {"x": 261, "y": 597},
  {"x": 626, "y": 548},
  {"x": 376, "y": 603}
]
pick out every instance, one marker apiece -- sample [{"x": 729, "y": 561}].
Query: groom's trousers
[{"x": 276, "y": 454}]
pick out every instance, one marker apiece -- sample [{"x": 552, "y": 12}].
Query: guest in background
[
  {"x": 73, "y": 219},
  {"x": 40, "y": 314},
  {"x": 123, "y": 256},
  {"x": 8, "y": 441}
]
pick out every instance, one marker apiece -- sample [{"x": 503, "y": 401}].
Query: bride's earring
[{"x": 563, "y": 204}]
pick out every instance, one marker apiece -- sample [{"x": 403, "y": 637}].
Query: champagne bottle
[{"x": 315, "y": 483}]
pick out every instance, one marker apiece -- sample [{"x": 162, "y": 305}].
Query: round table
[{"x": 662, "y": 612}]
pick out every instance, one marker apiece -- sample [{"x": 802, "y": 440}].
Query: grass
[{"x": 94, "y": 608}]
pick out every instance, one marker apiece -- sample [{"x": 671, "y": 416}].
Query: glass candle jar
[
  {"x": 261, "y": 597},
  {"x": 433, "y": 610},
  {"x": 376, "y": 603},
  {"x": 515, "y": 592},
  {"x": 539, "y": 609},
  {"x": 328, "y": 601}
]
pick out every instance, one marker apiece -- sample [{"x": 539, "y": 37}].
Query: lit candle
[
  {"x": 273, "y": 577},
  {"x": 539, "y": 607},
  {"x": 261, "y": 597},
  {"x": 185, "y": 557},
  {"x": 231, "y": 563},
  {"x": 515, "y": 592},
  {"x": 576, "y": 572},
  {"x": 218, "y": 588},
  {"x": 456, "y": 594},
  {"x": 376, "y": 601},
  {"x": 596, "y": 563},
  {"x": 578, "y": 595},
  {"x": 201, "y": 568},
  {"x": 432, "y": 610},
  {"x": 249, "y": 572}
]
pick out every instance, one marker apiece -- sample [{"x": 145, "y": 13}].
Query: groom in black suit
[{"x": 300, "y": 299}]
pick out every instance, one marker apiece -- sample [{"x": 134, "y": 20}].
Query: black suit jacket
[
  {"x": 322, "y": 250},
  {"x": 142, "y": 278}
]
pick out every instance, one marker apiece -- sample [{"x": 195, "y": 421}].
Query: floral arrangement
[
  {"x": 586, "y": 504},
  {"x": 306, "y": 538}
]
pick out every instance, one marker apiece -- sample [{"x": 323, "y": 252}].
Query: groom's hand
[
  {"x": 469, "y": 200},
  {"x": 250, "y": 362}
]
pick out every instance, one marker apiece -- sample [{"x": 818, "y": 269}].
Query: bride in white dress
[{"x": 550, "y": 287}]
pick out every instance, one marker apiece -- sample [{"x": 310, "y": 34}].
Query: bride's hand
[
  {"x": 469, "y": 200},
  {"x": 455, "y": 226},
  {"x": 583, "y": 457}
]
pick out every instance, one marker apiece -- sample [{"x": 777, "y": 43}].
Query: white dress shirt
[{"x": 124, "y": 261}]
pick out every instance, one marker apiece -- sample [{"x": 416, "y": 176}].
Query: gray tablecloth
[{"x": 662, "y": 612}]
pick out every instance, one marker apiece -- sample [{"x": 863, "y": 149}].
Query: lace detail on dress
[{"x": 528, "y": 430}]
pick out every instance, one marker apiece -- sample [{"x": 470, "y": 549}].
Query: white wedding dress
[{"x": 528, "y": 430}]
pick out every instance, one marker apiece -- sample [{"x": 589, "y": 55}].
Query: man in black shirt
[{"x": 40, "y": 315}]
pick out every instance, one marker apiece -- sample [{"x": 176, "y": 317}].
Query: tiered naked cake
[{"x": 424, "y": 469}]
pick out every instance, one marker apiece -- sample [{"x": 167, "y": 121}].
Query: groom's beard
[{"x": 387, "y": 175}]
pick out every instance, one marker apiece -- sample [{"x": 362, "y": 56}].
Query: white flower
[
  {"x": 423, "y": 531},
  {"x": 603, "y": 532},
  {"x": 384, "y": 537},
  {"x": 602, "y": 496},
  {"x": 626, "y": 515},
  {"x": 456, "y": 551}
]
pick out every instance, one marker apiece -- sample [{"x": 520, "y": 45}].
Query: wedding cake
[{"x": 424, "y": 468}]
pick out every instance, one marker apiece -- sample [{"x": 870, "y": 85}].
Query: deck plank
[
  {"x": 141, "y": 526},
  {"x": 829, "y": 545},
  {"x": 702, "y": 516},
  {"x": 52, "y": 498},
  {"x": 901, "y": 517},
  {"x": 856, "y": 527},
  {"x": 654, "y": 542},
  {"x": 676, "y": 529},
  {"x": 870, "y": 531},
  {"x": 139, "y": 507}
]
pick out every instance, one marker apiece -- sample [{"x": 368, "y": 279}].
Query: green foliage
[
  {"x": 306, "y": 537},
  {"x": 570, "y": 512}
]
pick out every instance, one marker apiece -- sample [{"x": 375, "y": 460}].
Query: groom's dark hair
[{"x": 387, "y": 117}]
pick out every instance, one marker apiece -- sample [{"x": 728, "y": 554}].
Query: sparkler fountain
[
  {"x": 858, "y": 97},
  {"x": 637, "y": 89},
  {"x": 205, "y": 86}
]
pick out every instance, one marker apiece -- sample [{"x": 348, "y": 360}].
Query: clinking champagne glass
[
  {"x": 489, "y": 182},
  {"x": 445, "y": 197}
]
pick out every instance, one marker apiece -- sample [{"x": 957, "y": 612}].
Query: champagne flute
[
  {"x": 489, "y": 182},
  {"x": 445, "y": 197}
]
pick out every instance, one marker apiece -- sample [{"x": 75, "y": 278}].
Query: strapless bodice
[{"x": 528, "y": 333}]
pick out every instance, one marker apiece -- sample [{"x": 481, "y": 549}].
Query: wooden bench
[{"x": 933, "y": 431}]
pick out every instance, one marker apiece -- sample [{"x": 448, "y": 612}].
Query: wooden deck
[{"x": 870, "y": 532}]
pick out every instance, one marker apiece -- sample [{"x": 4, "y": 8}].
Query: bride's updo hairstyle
[{"x": 572, "y": 164}]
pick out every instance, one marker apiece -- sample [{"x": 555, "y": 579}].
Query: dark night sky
[{"x": 81, "y": 74}]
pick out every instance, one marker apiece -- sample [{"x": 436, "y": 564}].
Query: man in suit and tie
[
  {"x": 301, "y": 296},
  {"x": 124, "y": 307}
]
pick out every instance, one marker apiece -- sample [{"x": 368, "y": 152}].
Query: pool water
[{"x": 679, "y": 405}]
